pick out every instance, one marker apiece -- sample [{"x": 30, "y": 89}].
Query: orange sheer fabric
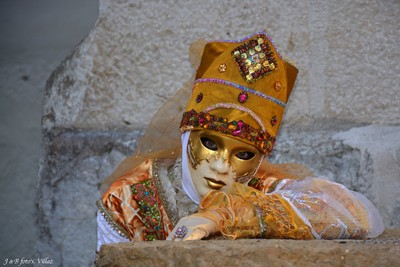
[
  {"x": 332, "y": 210},
  {"x": 246, "y": 212},
  {"x": 301, "y": 209}
]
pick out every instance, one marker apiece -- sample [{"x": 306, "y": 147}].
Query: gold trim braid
[{"x": 111, "y": 222}]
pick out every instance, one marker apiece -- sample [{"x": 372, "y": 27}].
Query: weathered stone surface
[
  {"x": 75, "y": 164},
  {"x": 136, "y": 58},
  {"x": 255, "y": 252},
  {"x": 379, "y": 173}
]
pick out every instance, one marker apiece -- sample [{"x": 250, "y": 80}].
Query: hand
[{"x": 197, "y": 228}]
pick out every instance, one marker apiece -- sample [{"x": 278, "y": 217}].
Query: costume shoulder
[
  {"x": 270, "y": 175},
  {"x": 118, "y": 206}
]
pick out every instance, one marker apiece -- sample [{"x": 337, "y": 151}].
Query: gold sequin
[
  {"x": 254, "y": 58},
  {"x": 222, "y": 68}
]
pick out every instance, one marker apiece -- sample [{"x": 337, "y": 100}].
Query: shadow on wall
[{"x": 36, "y": 36}]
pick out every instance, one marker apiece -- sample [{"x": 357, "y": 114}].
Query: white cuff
[{"x": 105, "y": 234}]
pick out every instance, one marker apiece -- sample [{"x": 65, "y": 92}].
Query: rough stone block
[
  {"x": 72, "y": 169},
  {"x": 255, "y": 252},
  {"x": 136, "y": 58}
]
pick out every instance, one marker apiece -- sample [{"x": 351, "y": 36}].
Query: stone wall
[{"x": 343, "y": 118}]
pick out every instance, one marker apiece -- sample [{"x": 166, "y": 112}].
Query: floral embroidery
[
  {"x": 145, "y": 195},
  {"x": 254, "y": 58},
  {"x": 278, "y": 86},
  {"x": 256, "y": 183},
  {"x": 206, "y": 121},
  {"x": 222, "y": 68}
]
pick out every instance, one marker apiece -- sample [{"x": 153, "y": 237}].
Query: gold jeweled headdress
[{"x": 241, "y": 89}]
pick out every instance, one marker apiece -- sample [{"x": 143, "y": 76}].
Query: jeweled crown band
[
  {"x": 237, "y": 107},
  {"x": 192, "y": 120}
]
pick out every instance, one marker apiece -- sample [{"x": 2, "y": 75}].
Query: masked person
[{"x": 219, "y": 182}]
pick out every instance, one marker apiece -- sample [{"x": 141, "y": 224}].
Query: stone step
[{"x": 382, "y": 251}]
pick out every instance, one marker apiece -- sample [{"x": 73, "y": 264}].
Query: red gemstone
[
  {"x": 199, "y": 97},
  {"x": 274, "y": 121},
  {"x": 243, "y": 97},
  {"x": 237, "y": 132}
]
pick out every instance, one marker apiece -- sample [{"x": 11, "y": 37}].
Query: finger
[{"x": 196, "y": 234}]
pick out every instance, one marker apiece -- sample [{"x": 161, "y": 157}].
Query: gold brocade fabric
[
  {"x": 332, "y": 210},
  {"x": 246, "y": 212},
  {"x": 308, "y": 209},
  {"x": 269, "y": 175},
  {"x": 138, "y": 210},
  {"x": 146, "y": 203}
]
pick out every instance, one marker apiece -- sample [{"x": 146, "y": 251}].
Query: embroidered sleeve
[
  {"x": 296, "y": 209},
  {"x": 331, "y": 210},
  {"x": 246, "y": 212},
  {"x": 119, "y": 207},
  {"x": 265, "y": 184}
]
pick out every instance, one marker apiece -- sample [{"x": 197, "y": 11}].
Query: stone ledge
[{"x": 382, "y": 251}]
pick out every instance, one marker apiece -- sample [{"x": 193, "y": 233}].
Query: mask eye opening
[
  {"x": 245, "y": 155},
  {"x": 209, "y": 144}
]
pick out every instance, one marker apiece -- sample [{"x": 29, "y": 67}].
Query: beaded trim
[
  {"x": 240, "y": 87},
  {"x": 111, "y": 222},
  {"x": 261, "y": 220},
  {"x": 156, "y": 177},
  {"x": 235, "y": 106},
  {"x": 251, "y": 36},
  {"x": 263, "y": 140},
  {"x": 145, "y": 195}
]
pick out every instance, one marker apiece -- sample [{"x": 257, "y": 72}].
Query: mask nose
[{"x": 220, "y": 166}]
